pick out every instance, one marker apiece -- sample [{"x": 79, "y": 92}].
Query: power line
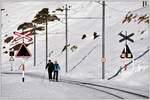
[
  {"x": 121, "y": 11},
  {"x": 82, "y": 17},
  {"x": 62, "y": 18},
  {"x": 83, "y": 58}
]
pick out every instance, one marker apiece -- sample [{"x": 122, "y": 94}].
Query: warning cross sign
[
  {"x": 126, "y": 37},
  {"x": 24, "y": 35},
  {"x": 23, "y": 52}
]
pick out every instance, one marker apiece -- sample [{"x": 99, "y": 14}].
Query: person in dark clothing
[
  {"x": 56, "y": 69},
  {"x": 50, "y": 67}
]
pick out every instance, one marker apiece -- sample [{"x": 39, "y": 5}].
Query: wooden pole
[
  {"x": 46, "y": 42},
  {"x": 103, "y": 39},
  {"x": 66, "y": 43},
  {"x": 34, "y": 45}
]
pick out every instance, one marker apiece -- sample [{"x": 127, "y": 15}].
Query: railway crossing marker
[
  {"x": 23, "y": 52},
  {"x": 126, "y": 53},
  {"x": 126, "y": 37},
  {"x": 24, "y": 35}
]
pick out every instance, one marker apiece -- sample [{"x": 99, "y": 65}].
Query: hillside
[{"x": 85, "y": 59}]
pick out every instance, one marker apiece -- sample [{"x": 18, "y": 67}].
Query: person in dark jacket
[
  {"x": 50, "y": 67},
  {"x": 56, "y": 69}
]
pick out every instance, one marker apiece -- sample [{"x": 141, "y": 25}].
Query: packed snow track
[{"x": 66, "y": 88}]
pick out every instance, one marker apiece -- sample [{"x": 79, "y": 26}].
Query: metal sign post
[
  {"x": 126, "y": 53},
  {"x": 11, "y": 62},
  {"x": 23, "y": 53},
  {"x": 11, "y": 59},
  {"x": 23, "y": 70}
]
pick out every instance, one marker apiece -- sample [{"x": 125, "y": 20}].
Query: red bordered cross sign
[{"x": 24, "y": 35}]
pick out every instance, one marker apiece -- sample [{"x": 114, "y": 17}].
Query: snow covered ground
[{"x": 86, "y": 59}]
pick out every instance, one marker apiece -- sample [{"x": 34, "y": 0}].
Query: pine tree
[
  {"x": 25, "y": 26},
  {"x": 43, "y": 17}
]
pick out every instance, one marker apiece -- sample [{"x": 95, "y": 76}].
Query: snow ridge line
[
  {"x": 129, "y": 64},
  {"x": 83, "y": 58},
  {"x": 107, "y": 87}
]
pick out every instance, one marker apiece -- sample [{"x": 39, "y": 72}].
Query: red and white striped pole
[{"x": 23, "y": 69}]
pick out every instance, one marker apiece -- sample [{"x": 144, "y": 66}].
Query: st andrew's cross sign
[
  {"x": 24, "y": 35},
  {"x": 126, "y": 53},
  {"x": 126, "y": 37}
]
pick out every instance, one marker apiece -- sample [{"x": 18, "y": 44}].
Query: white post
[
  {"x": 23, "y": 76},
  {"x": 11, "y": 63}
]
